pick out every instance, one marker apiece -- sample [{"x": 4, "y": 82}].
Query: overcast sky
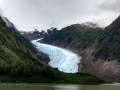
[{"x": 27, "y": 14}]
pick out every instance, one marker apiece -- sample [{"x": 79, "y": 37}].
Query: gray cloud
[
  {"x": 110, "y": 5},
  {"x": 1, "y": 12},
  {"x": 42, "y": 13}
]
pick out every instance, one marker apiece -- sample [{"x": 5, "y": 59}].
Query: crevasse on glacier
[{"x": 63, "y": 59}]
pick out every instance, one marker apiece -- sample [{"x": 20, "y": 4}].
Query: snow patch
[{"x": 63, "y": 59}]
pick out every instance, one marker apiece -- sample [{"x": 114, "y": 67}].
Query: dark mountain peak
[
  {"x": 1, "y": 20},
  {"x": 8, "y": 22},
  {"x": 0, "y": 17},
  {"x": 86, "y": 25},
  {"x": 83, "y": 27},
  {"x": 10, "y": 25},
  {"x": 117, "y": 21},
  {"x": 118, "y": 17},
  {"x": 115, "y": 25}
]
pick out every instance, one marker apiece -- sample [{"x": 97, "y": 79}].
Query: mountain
[
  {"x": 38, "y": 34},
  {"x": 29, "y": 48},
  {"x": 99, "y": 49},
  {"x": 19, "y": 62},
  {"x": 10, "y": 24},
  {"x": 109, "y": 42},
  {"x": 77, "y": 36}
]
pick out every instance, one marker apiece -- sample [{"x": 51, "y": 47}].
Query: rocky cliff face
[{"x": 99, "y": 48}]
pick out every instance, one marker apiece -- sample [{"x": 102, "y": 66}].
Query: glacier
[{"x": 63, "y": 59}]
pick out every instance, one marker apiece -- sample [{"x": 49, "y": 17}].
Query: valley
[
  {"x": 20, "y": 61},
  {"x": 59, "y": 45},
  {"x": 99, "y": 48},
  {"x": 63, "y": 59}
]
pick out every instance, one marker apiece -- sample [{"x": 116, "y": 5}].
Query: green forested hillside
[{"x": 74, "y": 36}]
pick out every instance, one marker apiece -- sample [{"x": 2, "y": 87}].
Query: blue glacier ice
[{"x": 63, "y": 59}]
